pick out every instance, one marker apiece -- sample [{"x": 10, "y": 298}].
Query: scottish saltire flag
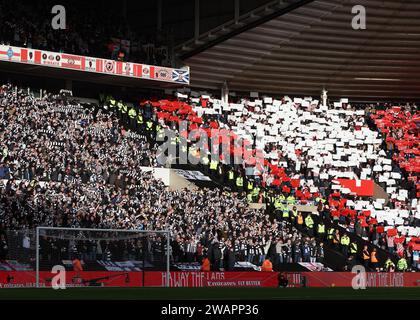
[{"x": 182, "y": 76}]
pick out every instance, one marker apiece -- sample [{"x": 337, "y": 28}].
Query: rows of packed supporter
[
  {"x": 94, "y": 157},
  {"x": 29, "y": 25},
  {"x": 65, "y": 163},
  {"x": 328, "y": 156}
]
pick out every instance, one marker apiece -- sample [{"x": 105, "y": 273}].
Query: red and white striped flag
[
  {"x": 147, "y": 72},
  {"x": 72, "y": 62},
  {"x": 28, "y": 55}
]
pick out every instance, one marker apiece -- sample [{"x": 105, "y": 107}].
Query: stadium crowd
[
  {"x": 307, "y": 147},
  {"x": 29, "y": 25},
  {"x": 81, "y": 169}
]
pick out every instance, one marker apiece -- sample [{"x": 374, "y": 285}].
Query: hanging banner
[
  {"x": 73, "y": 62},
  {"x": 25, "y": 279},
  {"x": 95, "y": 65}
]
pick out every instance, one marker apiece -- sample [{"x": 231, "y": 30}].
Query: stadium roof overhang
[{"x": 314, "y": 46}]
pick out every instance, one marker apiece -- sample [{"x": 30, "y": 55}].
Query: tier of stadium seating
[
  {"x": 317, "y": 145},
  {"x": 69, "y": 164},
  {"x": 29, "y": 25},
  {"x": 84, "y": 159}
]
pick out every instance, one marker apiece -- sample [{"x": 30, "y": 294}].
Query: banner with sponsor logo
[
  {"x": 215, "y": 279},
  {"x": 50, "y": 59},
  {"x": 270, "y": 279},
  {"x": 13, "y": 279},
  {"x": 95, "y": 65},
  {"x": 344, "y": 279}
]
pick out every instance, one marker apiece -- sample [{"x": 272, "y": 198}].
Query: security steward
[
  {"x": 239, "y": 184},
  {"x": 353, "y": 248},
  {"x": 132, "y": 114},
  {"x": 309, "y": 223},
  {"x": 205, "y": 266},
  {"x": 321, "y": 230},
  {"x": 267, "y": 266}
]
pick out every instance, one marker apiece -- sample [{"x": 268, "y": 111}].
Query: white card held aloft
[
  {"x": 390, "y": 190},
  {"x": 403, "y": 193},
  {"x": 395, "y": 175},
  {"x": 391, "y": 182},
  {"x": 324, "y": 176},
  {"x": 387, "y": 161}
]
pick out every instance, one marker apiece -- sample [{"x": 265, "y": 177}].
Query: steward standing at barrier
[
  {"x": 309, "y": 223},
  {"x": 366, "y": 256},
  {"x": 278, "y": 205},
  {"x": 267, "y": 266},
  {"x": 77, "y": 265},
  {"x": 220, "y": 175},
  {"x": 286, "y": 213},
  {"x": 160, "y": 133},
  {"x": 345, "y": 242},
  {"x": 205, "y": 265},
  {"x": 389, "y": 265},
  {"x": 294, "y": 213},
  {"x": 330, "y": 236},
  {"x": 291, "y": 200},
  {"x": 402, "y": 264},
  {"x": 119, "y": 109},
  {"x": 149, "y": 129},
  {"x": 124, "y": 110},
  {"x": 256, "y": 194},
  {"x": 320, "y": 252},
  {"x": 374, "y": 259},
  {"x": 249, "y": 186},
  {"x": 239, "y": 184},
  {"x": 336, "y": 239},
  {"x": 140, "y": 122},
  {"x": 231, "y": 178},
  {"x": 353, "y": 248},
  {"x": 132, "y": 114},
  {"x": 321, "y": 230},
  {"x": 299, "y": 221},
  {"x": 213, "y": 168},
  {"x": 111, "y": 103}
]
